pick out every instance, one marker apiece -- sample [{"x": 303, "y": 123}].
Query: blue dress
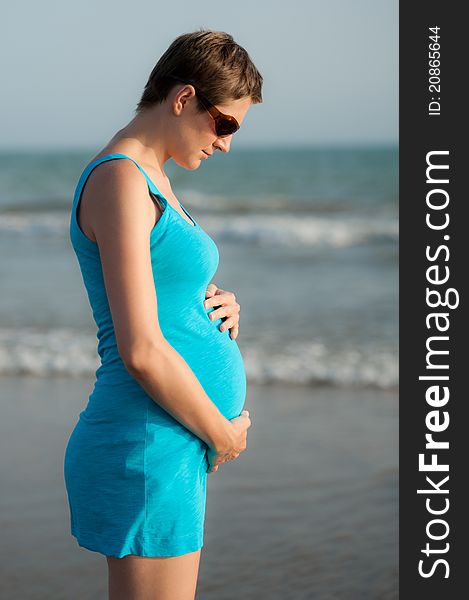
[{"x": 135, "y": 476}]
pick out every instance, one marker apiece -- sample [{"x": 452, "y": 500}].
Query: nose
[{"x": 223, "y": 143}]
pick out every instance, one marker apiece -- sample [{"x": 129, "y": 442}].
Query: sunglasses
[{"x": 224, "y": 124}]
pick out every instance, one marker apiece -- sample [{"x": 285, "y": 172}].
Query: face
[{"x": 194, "y": 133}]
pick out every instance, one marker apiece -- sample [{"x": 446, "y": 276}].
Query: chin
[{"x": 189, "y": 165}]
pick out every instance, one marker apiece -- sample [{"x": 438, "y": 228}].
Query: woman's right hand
[{"x": 234, "y": 443}]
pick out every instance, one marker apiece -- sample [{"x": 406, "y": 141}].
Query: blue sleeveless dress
[{"x": 135, "y": 476}]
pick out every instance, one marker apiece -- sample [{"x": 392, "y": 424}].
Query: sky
[{"x": 72, "y": 72}]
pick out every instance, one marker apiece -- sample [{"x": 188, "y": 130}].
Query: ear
[{"x": 184, "y": 94}]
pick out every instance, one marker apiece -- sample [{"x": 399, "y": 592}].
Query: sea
[{"x": 308, "y": 242}]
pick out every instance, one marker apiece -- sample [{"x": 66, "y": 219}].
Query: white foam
[
  {"x": 74, "y": 353},
  {"x": 279, "y": 229},
  {"x": 314, "y": 363},
  {"x": 28, "y": 351},
  {"x": 307, "y": 230},
  {"x": 51, "y": 222}
]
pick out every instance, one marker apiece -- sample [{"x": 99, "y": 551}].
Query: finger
[
  {"x": 211, "y": 290},
  {"x": 234, "y": 332},
  {"x": 245, "y": 413},
  {"x": 221, "y": 297},
  {"x": 217, "y": 300},
  {"x": 229, "y": 323},
  {"x": 220, "y": 291},
  {"x": 219, "y": 313},
  {"x": 228, "y": 310}
]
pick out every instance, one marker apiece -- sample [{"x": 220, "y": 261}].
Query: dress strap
[
  {"x": 155, "y": 194},
  {"x": 114, "y": 156}
]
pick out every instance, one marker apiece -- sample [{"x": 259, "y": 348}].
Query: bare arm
[{"x": 121, "y": 215}]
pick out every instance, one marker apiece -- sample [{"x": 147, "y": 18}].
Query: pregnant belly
[
  {"x": 212, "y": 355},
  {"x": 214, "y": 358}
]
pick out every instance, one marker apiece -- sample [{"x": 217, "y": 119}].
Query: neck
[{"x": 145, "y": 136}]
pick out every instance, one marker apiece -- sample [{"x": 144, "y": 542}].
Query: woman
[{"x": 166, "y": 407}]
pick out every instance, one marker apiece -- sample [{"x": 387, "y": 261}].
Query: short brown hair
[{"x": 213, "y": 62}]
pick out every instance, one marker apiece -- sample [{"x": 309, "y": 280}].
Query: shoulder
[
  {"x": 117, "y": 174},
  {"x": 117, "y": 194}
]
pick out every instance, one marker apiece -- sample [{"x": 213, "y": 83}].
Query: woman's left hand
[{"x": 229, "y": 308}]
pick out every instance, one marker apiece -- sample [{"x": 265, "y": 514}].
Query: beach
[{"x": 308, "y": 511}]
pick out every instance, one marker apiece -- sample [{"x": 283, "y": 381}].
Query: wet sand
[{"x": 309, "y": 511}]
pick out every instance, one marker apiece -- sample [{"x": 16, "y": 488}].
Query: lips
[{"x": 206, "y": 153}]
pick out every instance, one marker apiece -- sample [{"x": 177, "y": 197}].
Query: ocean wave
[
  {"x": 314, "y": 363},
  {"x": 279, "y": 229},
  {"x": 68, "y": 352},
  {"x": 295, "y": 230},
  {"x": 285, "y": 203}
]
